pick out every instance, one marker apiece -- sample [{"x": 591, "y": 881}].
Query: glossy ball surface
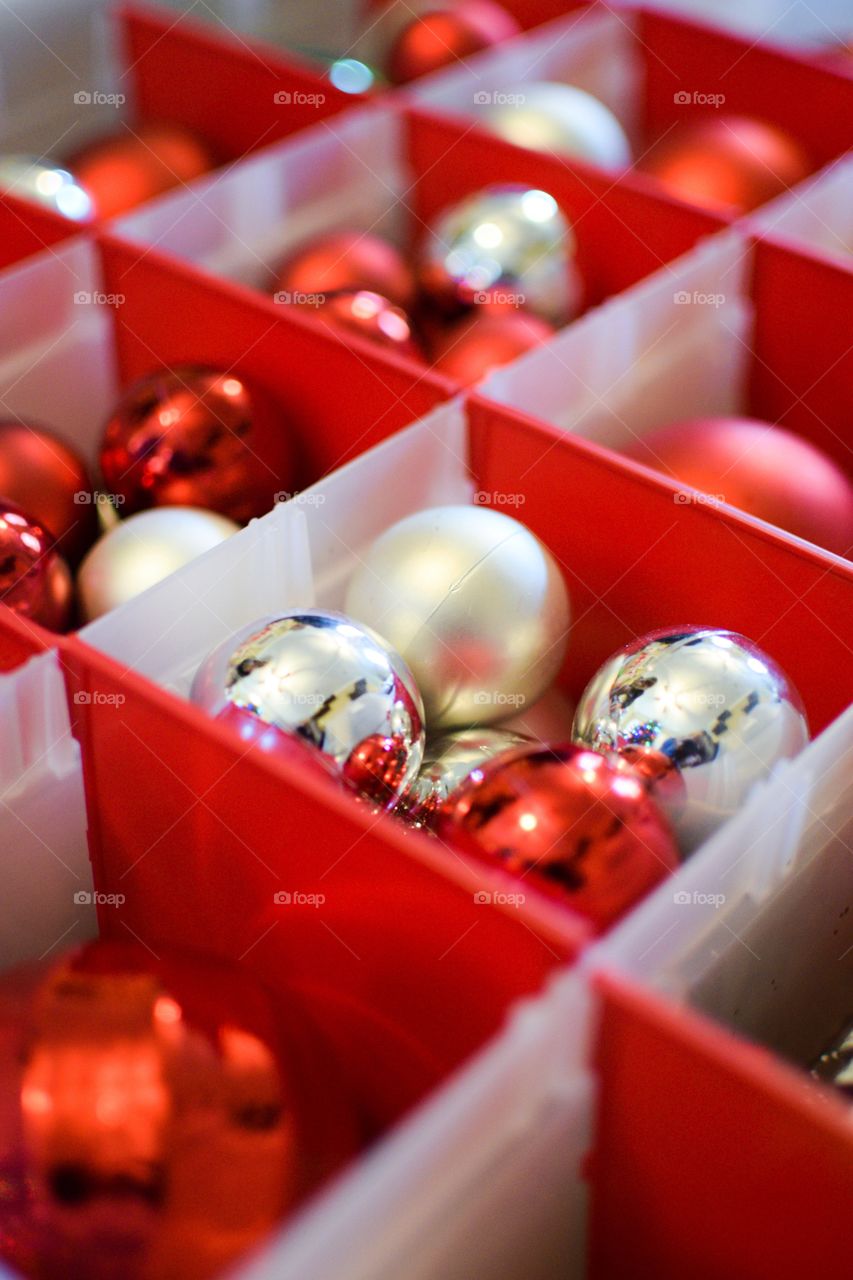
[
  {"x": 369, "y": 316},
  {"x": 448, "y": 762},
  {"x": 476, "y": 344},
  {"x": 123, "y": 171},
  {"x": 444, "y": 34},
  {"x": 560, "y": 119},
  {"x": 34, "y": 579},
  {"x": 344, "y": 261},
  {"x": 46, "y": 477}
]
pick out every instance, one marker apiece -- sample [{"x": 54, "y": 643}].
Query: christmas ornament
[
  {"x": 560, "y": 119},
  {"x": 42, "y": 474},
  {"x": 196, "y": 437},
  {"x": 712, "y": 707},
  {"x": 727, "y": 163},
  {"x": 123, "y": 171},
  {"x": 509, "y": 243},
  {"x": 569, "y": 821},
  {"x": 46, "y": 184},
  {"x": 333, "y": 683},
  {"x": 487, "y": 338},
  {"x": 766, "y": 470},
  {"x": 370, "y": 316},
  {"x": 346, "y": 260},
  {"x": 144, "y": 549},
  {"x": 448, "y": 761},
  {"x": 34, "y": 578},
  {"x": 444, "y": 34},
  {"x": 836, "y": 1065},
  {"x": 474, "y": 603},
  {"x": 160, "y": 1116}
]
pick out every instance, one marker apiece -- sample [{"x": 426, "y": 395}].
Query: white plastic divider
[
  {"x": 805, "y": 24},
  {"x": 817, "y": 216},
  {"x": 240, "y": 222}
]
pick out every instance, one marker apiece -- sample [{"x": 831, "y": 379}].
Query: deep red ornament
[
  {"x": 347, "y": 260},
  {"x": 486, "y": 339},
  {"x": 727, "y": 162},
  {"x": 445, "y": 34},
  {"x": 377, "y": 768},
  {"x": 34, "y": 579},
  {"x": 121, "y": 172},
  {"x": 196, "y": 437},
  {"x": 578, "y": 825},
  {"x": 768, "y": 471},
  {"x": 45, "y": 477},
  {"x": 370, "y": 316}
]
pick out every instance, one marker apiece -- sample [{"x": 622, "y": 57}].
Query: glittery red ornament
[
  {"x": 370, "y": 316},
  {"x": 727, "y": 162},
  {"x": 446, "y": 34},
  {"x": 195, "y": 437},
  {"x": 34, "y": 579},
  {"x": 140, "y": 163},
  {"x": 768, "y": 471},
  {"x": 45, "y": 477},
  {"x": 377, "y": 768},
  {"x": 346, "y": 260},
  {"x": 484, "y": 340},
  {"x": 159, "y": 1118},
  {"x": 570, "y": 821}
]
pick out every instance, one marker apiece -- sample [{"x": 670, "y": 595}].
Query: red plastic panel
[
  {"x": 20, "y": 639},
  {"x": 27, "y": 228},
  {"x": 185, "y": 71},
  {"x": 712, "y": 1160},
  {"x": 636, "y": 559},
  {"x": 623, "y": 233}
]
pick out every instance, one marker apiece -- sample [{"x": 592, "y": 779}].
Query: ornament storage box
[{"x": 548, "y": 1103}]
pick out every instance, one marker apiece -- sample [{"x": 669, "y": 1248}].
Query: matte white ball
[
  {"x": 474, "y": 603},
  {"x": 142, "y": 550},
  {"x": 560, "y": 118}
]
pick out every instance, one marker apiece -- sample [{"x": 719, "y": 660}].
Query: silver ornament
[
  {"x": 709, "y": 706},
  {"x": 509, "y": 243},
  {"x": 561, "y": 119},
  {"x": 474, "y": 603},
  {"x": 332, "y": 683},
  {"x": 46, "y": 184},
  {"x": 447, "y": 762}
]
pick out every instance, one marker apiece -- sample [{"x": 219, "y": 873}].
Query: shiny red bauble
[
  {"x": 195, "y": 437},
  {"x": 370, "y": 316},
  {"x": 569, "y": 821},
  {"x": 40, "y": 473},
  {"x": 160, "y": 1115},
  {"x": 445, "y": 34},
  {"x": 347, "y": 260},
  {"x": 728, "y": 162},
  {"x": 34, "y": 579},
  {"x": 768, "y": 471},
  {"x": 138, "y": 164},
  {"x": 486, "y": 339}
]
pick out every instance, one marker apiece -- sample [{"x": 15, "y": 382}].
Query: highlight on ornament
[{"x": 559, "y": 119}]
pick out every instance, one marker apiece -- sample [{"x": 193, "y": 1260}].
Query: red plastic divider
[
  {"x": 20, "y": 639},
  {"x": 27, "y": 228}
]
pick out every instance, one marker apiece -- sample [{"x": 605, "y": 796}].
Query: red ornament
[
  {"x": 121, "y": 172},
  {"x": 447, "y": 34},
  {"x": 486, "y": 339},
  {"x": 34, "y": 579},
  {"x": 765, "y": 470},
  {"x": 728, "y": 163},
  {"x": 195, "y": 437},
  {"x": 578, "y": 825},
  {"x": 377, "y": 767},
  {"x": 370, "y": 316},
  {"x": 347, "y": 260},
  {"x": 40, "y": 473},
  {"x": 160, "y": 1116}
]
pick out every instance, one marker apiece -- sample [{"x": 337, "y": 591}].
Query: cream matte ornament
[
  {"x": 332, "y": 683},
  {"x": 561, "y": 119},
  {"x": 144, "y": 549},
  {"x": 46, "y": 184},
  {"x": 711, "y": 711},
  {"x": 448, "y": 761},
  {"x": 508, "y": 243},
  {"x": 474, "y": 603}
]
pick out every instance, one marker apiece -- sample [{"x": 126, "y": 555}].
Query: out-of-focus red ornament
[
  {"x": 370, "y": 316},
  {"x": 160, "y": 1116},
  {"x": 446, "y": 33},
  {"x": 578, "y": 825},
  {"x": 40, "y": 473},
  {"x": 121, "y": 172},
  {"x": 35, "y": 581},
  {"x": 487, "y": 338},
  {"x": 728, "y": 162},
  {"x": 195, "y": 437},
  {"x": 768, "y": 471},
  {"x": 347, "y": 260}
]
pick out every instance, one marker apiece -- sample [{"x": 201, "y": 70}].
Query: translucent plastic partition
[{"x": 818, "y": 217}]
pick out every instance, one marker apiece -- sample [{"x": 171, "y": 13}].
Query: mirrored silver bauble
[
  {"x": 332, "y": 683},
  {"x": 448, "y": 761},
  {"x": 474, "y": 603},
  {"x": 507, "y": 243},
  {"x": 561, "y": 119},
  {"x": 46, "y": 184},
  {"x": 706, "y": 705}
]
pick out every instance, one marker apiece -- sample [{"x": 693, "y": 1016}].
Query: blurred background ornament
[
  {"x": 559, "y": 119},
  {"x": 143, "y": 161},
  {"x": 53, "y": 187},
  {"x": 469, "y": 348},
  {"x": 46, "y": 477},
  {"x": 370, "y": 316},
  {"x": 35, "y": 581},
  {"x": 440, "y": 34},
  {"x": 346, "y": 260}
]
